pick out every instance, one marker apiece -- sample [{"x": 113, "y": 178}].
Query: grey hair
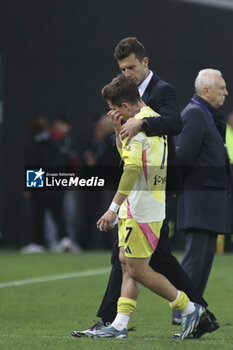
[{"x": 206, "y": 77}]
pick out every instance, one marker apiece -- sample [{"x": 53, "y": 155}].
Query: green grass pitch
[{"x": 42, "y": 315}]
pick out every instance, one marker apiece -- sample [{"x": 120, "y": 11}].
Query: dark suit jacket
[
  {"x": 161, "y": 97},
  {"x": 206, "y": 201}
]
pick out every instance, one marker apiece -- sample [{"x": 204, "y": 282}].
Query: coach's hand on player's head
[
  {"x": 116, "y": 118},
  {"x": 130, "y": 129},
  {"x": 105, "y": 223}
]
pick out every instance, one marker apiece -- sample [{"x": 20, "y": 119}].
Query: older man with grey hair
[
  {"x": 205, "y": 206},
  {"x": 210, "y": 85}
]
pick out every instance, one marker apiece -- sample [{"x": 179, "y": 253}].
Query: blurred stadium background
[{"x": 57, "y": 55}]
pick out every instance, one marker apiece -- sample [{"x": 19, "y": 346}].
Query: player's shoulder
[
  {"x": 140, "y": 137},
  {"x": 146, "y": 112}
]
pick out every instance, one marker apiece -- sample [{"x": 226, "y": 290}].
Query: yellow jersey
[{"x": 146, "y": 201}]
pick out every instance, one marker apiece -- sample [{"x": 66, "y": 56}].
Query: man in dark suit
[
  {"x": 205, "y": 205},
  {"x": 160, "y": 96}
]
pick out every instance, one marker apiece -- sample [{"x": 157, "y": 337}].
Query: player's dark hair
[
  {"x": 121, "y": 90},
  {"x": 128, "y": 46}
]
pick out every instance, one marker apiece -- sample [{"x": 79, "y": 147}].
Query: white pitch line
[
  {"x": 56, "y": 277},
  {"x": 36, "y": 336}
]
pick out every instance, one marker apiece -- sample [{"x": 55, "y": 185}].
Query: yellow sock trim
[
  {"x": 126, "y": 305},
  {"x": 181, "y": 302}
]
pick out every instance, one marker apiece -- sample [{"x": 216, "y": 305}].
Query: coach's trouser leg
[
  {"x": 108, "y": 307},
  {"x": 209, "y": 257},
  {"x": 198, "y": 257}
]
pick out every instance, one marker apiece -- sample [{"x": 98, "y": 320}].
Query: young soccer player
[{"x": 141, "y": 200}]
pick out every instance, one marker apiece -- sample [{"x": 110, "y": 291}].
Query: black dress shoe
[
  {"x": 208, "y": 324},
  {"x": 96, "y": 327}
]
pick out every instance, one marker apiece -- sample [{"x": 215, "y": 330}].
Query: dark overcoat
[{"x": 206, "y": 202}]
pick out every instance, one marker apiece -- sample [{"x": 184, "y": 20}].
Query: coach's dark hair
[
  {"x": 128, "y": 46},
  {"x": 121, "y": 90}
]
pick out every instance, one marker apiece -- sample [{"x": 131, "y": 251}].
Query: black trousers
[
  {"x": 198, "y": 257},
  {"x": 162, "y": 261}
]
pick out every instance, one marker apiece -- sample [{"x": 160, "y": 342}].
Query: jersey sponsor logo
[
  {"x": 159, "y": 179},
  {"x": 127, "y": 148}
]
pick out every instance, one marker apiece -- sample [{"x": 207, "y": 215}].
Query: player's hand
[
  {"x": 130, "y": 129},
  {"x": 116, "y": 118},
  {"x": 105, "y": 223}
]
